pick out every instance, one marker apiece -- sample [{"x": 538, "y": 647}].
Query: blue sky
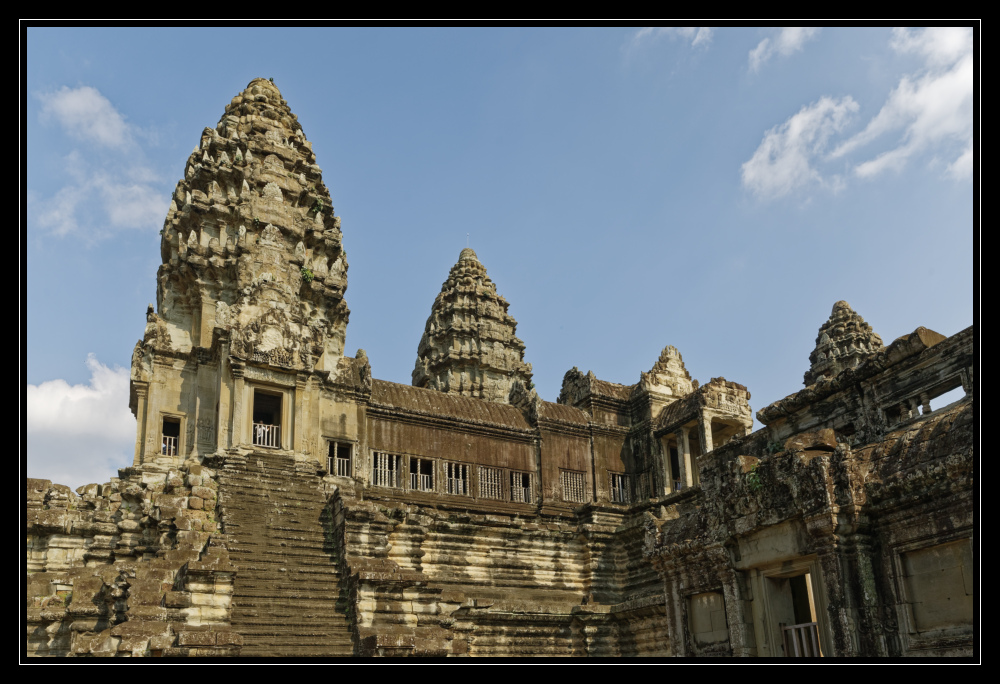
[{"x": 626, "y": 188}]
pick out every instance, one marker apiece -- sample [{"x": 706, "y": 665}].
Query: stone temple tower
[
  {"x": 251, "y": 288},
  {"x": 844, "y": 341},
  {"x": 469, "y": 346}
]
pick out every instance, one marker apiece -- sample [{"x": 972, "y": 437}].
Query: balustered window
[
  {"x": 573, "y": 486},
  {"x": 456, "y": 478},
  {"x": 170, "y": 437},
  {"x": 621, "y": 488},
  {"x": 521, "y": 489},
  {"x": 339, "y": 461},
  {"x": 491, "y": 483},
  {"x": 266, "y": 419},
  {"x": 386, "y": 469},
  {"x": 421, "y": 474}
]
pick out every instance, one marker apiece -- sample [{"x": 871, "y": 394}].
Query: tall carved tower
[
  {"x": 251, "y": 287},
  {"x": 469, "y": 346}
]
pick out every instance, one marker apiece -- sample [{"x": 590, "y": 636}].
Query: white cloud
[
  {"x": 783, "y": 161},
  {"x": 132, "y": 205},
  {"x": 788, "y": 41},
  {"x": 110, "y": 189},
  {"x": 86, "y": 115},
  {"x": 930, "y": 110},
  {"x": 77, "y": 434},
  {"x": 700, "y": 36},
  {"x": 961, "y": 168},
  {"x": 941, "y": 46},
  {"x": 100, "y": 202}
]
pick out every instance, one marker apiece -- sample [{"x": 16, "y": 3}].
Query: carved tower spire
[
  {"x": 469, "y": 346},
  {"x": 844, "y": 341},
  {"x": 251, "y": 247}
]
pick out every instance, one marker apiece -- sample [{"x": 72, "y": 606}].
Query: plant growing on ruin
[
  {"x": 317, "y": 206},
  {"x": 774, "y": 447},
  {"x": 307, "y": 275},
  {"x": 753, "y": 479}
]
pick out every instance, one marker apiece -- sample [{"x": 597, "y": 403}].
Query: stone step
[{"x": 287, "y": 596}]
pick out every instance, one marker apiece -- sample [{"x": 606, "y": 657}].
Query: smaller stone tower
[
  {"x": 469, "y": 346},
  {"x": 844, "y": 341}
]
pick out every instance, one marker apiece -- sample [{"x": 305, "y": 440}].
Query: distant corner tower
[
  {"x": 251, "y": 247},
  {"x": 843, "y": 342},
  {"x": 469, "y": 346}
]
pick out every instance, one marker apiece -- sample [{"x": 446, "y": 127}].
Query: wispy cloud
[
  {"x": 77, "y": 434},
  {"x": 699, "y": 36},
  {"x": 784, "y": 160},
  {"x": 110, "y": 188},
  {"x": 86, "y": 115},
  {"x": 788, "y": 41},
  {"x": 931, "y": 109},
  {"x": 928, "y": 113}
]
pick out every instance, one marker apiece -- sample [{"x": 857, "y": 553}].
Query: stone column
[
  {"x": 141, "y": 393},
  {"x": 297, "y": 423},
  {"x": 238, "y": 398},
  {"x": 684, "y": 458},
  {"x": 705, "y": 432},
  {"x": 668, "y": 475},
  {"x": 925, "y": 402},
  {"x": 225, "y": 397},
  {"x": 741, "y": 636},
  {"x": 674, "y": 615}
]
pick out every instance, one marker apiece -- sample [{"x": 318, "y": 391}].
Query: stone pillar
[
  {"x": 869, "y": 608},
  {"x": 925, "y": 402},
  {"x": 141, "y": 393},
  {"x": 674, "y": 615},
  {"x": 684, "y": 457},
  {"x": 705, "y": 434},
  {"x": 668, "y": 475},
  {"x": 297, "y": 424},
  {"x": 741, "y": 636},
  {"x": 238, "y": 398},
  {"x": 225, "y": 397}
]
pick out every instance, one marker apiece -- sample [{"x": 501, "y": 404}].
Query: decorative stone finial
[
  {"x": 668, "y": 374},
  {"x": 469, "y": 346},
  {"x": 844, "y": 341}
]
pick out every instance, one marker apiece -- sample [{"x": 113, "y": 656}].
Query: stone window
[
  {"x": 491, "y": 483},
  {"x": 521, "y": 489},
  {"x": 339, "y": 459},
  {"x": 456, "y": 478},
  {"x": 267, "y": 419},
  {"x": 621, "y": 488},
  {"x": 573, "y": 486},
  {"x": 421, "y": 474},
  {"x": 171, "y": 436},
  {"x": 387, "y": 469}
]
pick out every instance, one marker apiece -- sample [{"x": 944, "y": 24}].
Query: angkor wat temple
[{"x": 283, "y": 502}]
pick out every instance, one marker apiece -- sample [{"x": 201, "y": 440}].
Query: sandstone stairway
[{"x": 287, "y": 595}]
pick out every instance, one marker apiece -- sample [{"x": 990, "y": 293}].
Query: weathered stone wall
[
  {"x": 868, "y": 507},
  {"x": 135, "y": 567}
]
